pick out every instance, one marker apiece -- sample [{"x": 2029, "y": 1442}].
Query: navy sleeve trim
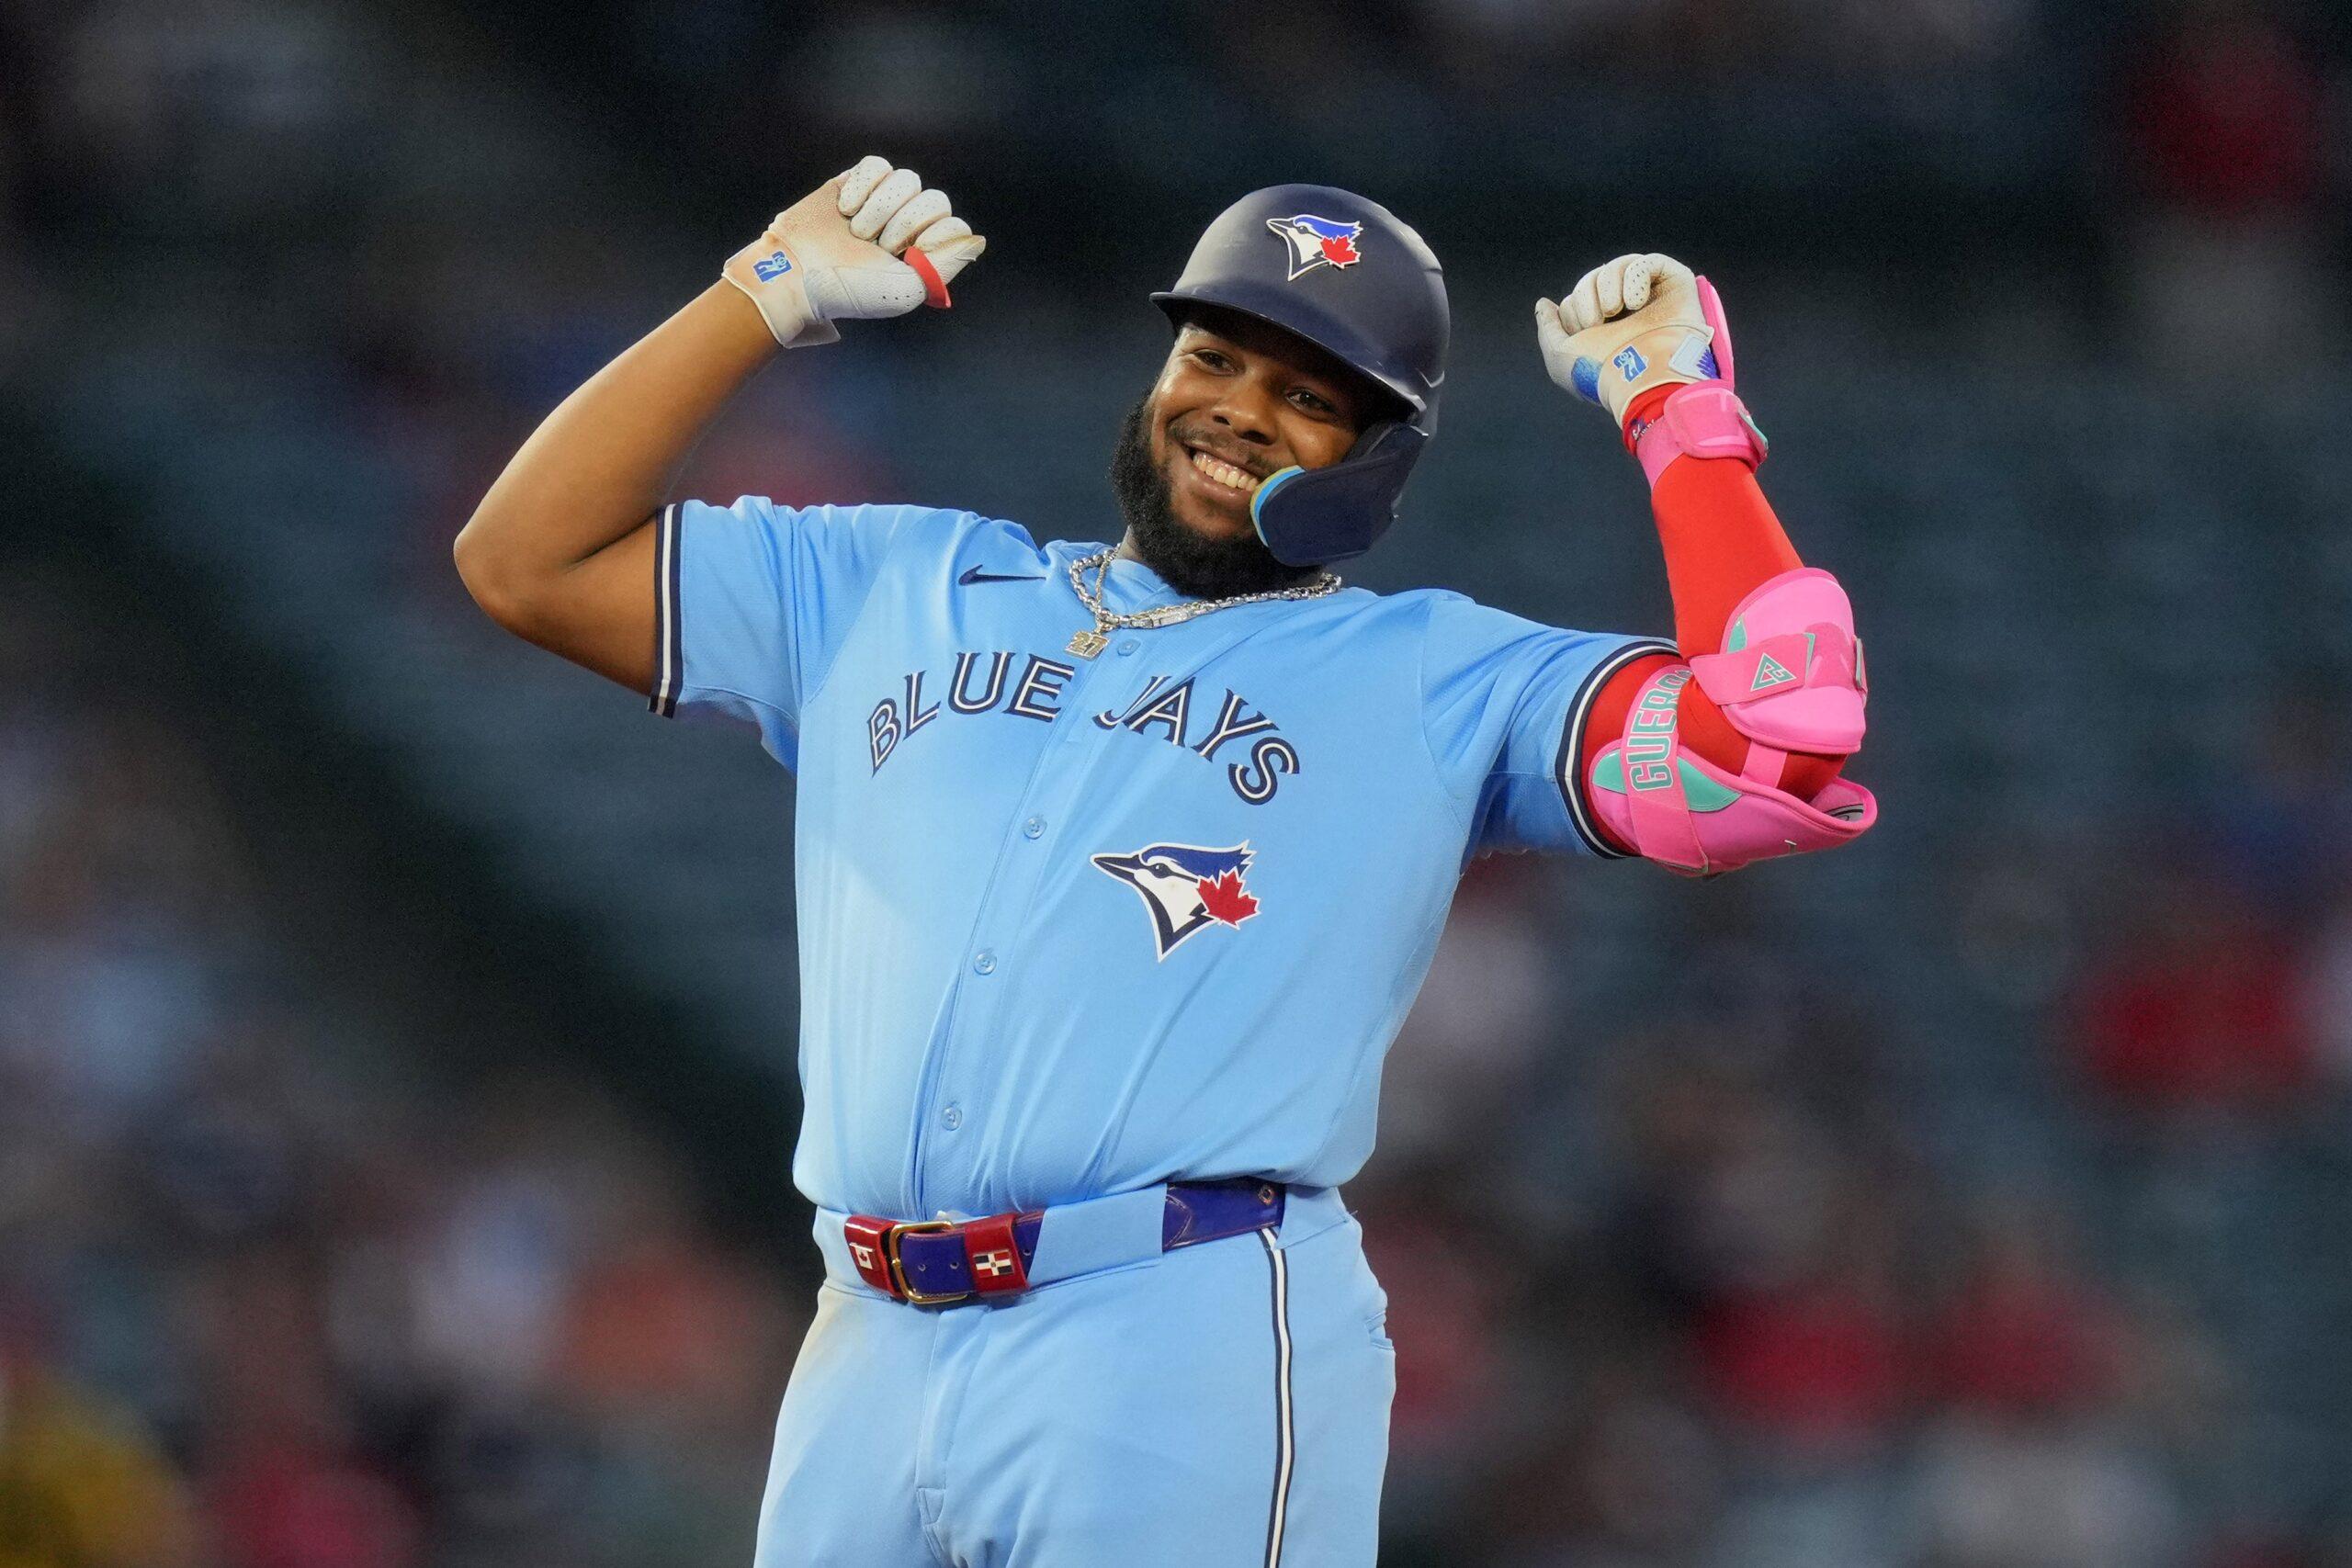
[
  {"x": 1563, "y": 769},
  {"x": 670, "y": 656}
]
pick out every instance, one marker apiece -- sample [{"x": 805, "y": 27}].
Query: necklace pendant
[{"x": 1087, "y": 643}]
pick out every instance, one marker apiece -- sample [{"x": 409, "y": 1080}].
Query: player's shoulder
[
  {"x": 974, "y": 547},
  {"x": 1443, "y": 618},
  {"x": 944, "y": 526},
  {"x": 907, "y": 532},
  {"x": 862, "y": 517},
  {"x": 956, "y": 532}
]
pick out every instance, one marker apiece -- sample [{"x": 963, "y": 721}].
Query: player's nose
[{"x": 1245, "y": 405}]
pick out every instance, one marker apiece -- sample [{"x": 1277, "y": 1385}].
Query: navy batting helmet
[{"x": 1345, "y": 274}]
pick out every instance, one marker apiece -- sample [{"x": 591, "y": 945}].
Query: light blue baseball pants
[{"x": 1223, "y": 1404}]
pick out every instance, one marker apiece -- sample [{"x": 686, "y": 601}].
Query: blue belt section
[{"x": 1070, "y": 1239}]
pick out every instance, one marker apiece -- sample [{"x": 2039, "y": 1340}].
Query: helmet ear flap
[
  {"x": 1314, "y": 517},
  {"x": 1381, "y": 436}
]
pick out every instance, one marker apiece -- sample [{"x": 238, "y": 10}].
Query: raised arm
[
  {"x": 560, "y": 550},
  {"x": 1733, "y": 750}
]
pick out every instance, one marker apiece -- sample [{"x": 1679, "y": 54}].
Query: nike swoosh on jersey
[{"x": 974, "y": 574}]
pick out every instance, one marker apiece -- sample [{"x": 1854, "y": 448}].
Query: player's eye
[
  {"x": 1313, "y": 403},
  {"x": 1210, "y": 359}
]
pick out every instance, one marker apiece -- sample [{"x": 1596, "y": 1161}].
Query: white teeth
[{"x": 1226, "y": 473}]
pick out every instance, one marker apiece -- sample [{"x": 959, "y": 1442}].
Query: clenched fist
[
  {"x": 1640, "y": 321},
  {"x": 835, "y": 253}
]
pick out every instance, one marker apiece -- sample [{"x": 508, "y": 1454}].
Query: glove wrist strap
[
  {"x": 1706, "y": 419},
  {"x": 769, "y": 277}
]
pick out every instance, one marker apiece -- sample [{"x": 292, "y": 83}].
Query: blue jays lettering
[{"x": 985, "y": 683}]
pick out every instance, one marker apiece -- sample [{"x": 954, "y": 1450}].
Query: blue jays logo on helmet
[
  {"x": 1185, "y": 888},
  {"x": 1317, "y": 242}
]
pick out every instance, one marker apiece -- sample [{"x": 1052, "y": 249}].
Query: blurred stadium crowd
[
  {"x": 1973, "y": 1201},
  {"x": 273, "y": 1291}
]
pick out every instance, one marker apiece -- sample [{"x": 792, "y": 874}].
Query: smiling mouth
[{"x": 1218, "y": 471}]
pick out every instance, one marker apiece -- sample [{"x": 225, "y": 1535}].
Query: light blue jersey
[{"x": 1072, "y": 926}]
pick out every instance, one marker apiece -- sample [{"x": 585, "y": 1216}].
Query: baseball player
[{"x": 1118, "y": 865}]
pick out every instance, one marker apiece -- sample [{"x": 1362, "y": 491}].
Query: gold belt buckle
[{"x": 898, "y": 1271}]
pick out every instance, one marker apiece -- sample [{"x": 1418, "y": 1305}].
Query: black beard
[{"x": 1193, "y": 564}]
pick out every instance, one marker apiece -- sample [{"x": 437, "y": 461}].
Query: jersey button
[
  {"x": 1033, "y": 827},
  {"x": 951, "y": 1118},
  {"x": 1128, "y": 645},
  {"x": 984, "y": 961}
]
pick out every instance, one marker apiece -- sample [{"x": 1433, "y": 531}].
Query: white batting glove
[
  {"x": 836, "y": 254},
  {"x": 1640, "y": 321}
]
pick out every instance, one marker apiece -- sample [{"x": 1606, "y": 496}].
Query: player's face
[{"x": 1239, "y": 401}]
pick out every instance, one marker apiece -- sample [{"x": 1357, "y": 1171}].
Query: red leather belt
[{"x": 939, "y": 1262}]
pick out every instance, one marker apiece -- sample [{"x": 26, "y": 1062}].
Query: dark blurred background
[{"x": 396, "y": 1026}]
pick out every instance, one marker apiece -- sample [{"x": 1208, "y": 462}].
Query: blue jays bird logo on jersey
[
  {"x": 1317, "y": 242},
  {"x": 1186, "y": 889}
]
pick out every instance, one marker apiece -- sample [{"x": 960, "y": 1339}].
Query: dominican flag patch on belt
[{"x": 993, "y": 1248}]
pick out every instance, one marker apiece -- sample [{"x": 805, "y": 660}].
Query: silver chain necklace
[{"x": 1086, "y": 644}]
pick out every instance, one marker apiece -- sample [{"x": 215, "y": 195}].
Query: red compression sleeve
[{"x": 1720, "y": 539}]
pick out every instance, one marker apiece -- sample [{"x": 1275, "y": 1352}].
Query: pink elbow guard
[
  {"x": 1680, "y": 810},
  {"x": 1790, "y": 678}
]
